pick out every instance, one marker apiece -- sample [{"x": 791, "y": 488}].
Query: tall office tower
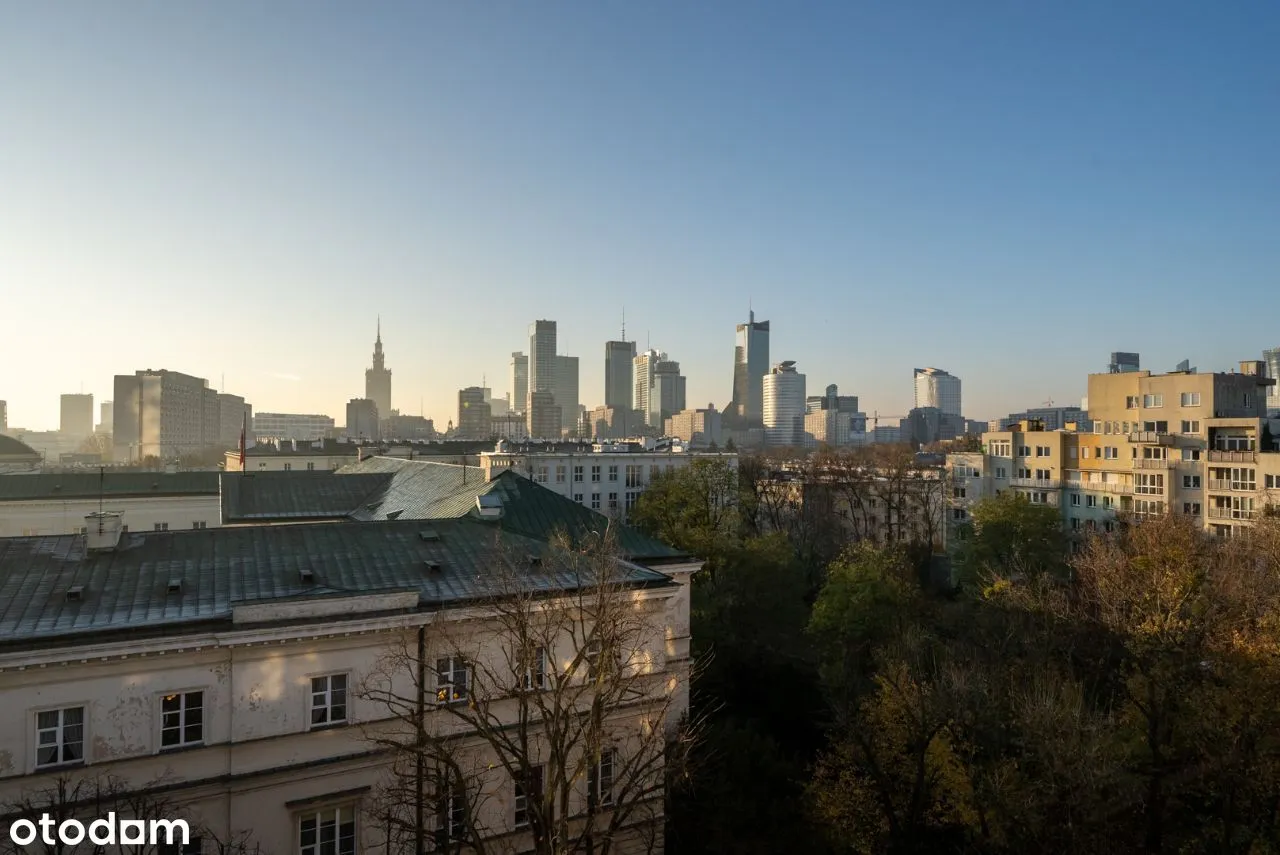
[
  {"x": 1272, "y": 359},
  {"x": 938, "y": 389},
  {"x": 566, "y": 391},
  {"x": 168, "y": 414},
  {"x": 666, "y": 394},
  {"x": 619, "y": 377},
  {"x": 362, "y": 419},
  {"x": 542, "y": 356},
  {"x": 519, "y": 382},
  {"x": 77, "y": 415},
  {"x": 234, "y": 415},
  {"x": 474, "y": 414},
  {"x": 750, "y": 364},
  {"x": 1123, "y": 362},
  {"x": 497, "y": 406},
  {"x": 544, "y": 416},
  {"x": 104, "y": 417},
  {"x": 832, "y": 400},
  {"x": 784, "y": 405},
  {"x": 377, "y": 380},
  {"x": 643, "y": 368}
]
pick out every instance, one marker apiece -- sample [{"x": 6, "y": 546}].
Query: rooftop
[
  {"x": 168, "y": 582},
  {"x": 89, "y": 485},
  {"x": 10, "y": 447}
]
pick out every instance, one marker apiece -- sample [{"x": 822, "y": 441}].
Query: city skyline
[{"x": 281, "y": 176}]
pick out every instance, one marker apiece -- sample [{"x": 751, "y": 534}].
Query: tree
[
  {"x": 554, "y": 697},
  {"x": 98, "y": 443},
  {"x": 1009, "y": 536},
  {"x": 694, "y": 508}
]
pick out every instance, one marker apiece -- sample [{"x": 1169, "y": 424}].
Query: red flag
[{"x": 244, "y": 424}]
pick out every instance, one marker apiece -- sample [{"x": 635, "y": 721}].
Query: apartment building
[
  {"x": 607, "y": 476},
  {"x": 304, "y": 426},
  {"x": 168, "y": 414},
  {"x": 225, "y": 673},
  {"x": 1183, "y": 442}
]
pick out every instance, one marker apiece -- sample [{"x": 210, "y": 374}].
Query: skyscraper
[
  {"x": 105, "y": 418},
  {"x": 542, "y": 356},
  {"x": 643, "y": 367},
  {"x": 565, "y": 390},
  {"x": 783, "y": 404},
  {"x": 377, "y": 380},
  {"x": 362, "y": 419},
  {"x": 168, "y": 414},
  {"x": 77, "y": 415},
  {"x": 1272, "y": 359},
  {"x": 938, "y": 389},
  {"x": 519, "y": 382},
  {"x": 750, "y": 364},
  {"x": 474, "y": 414},
  {"x": 619, "y": 358},
  {"x": 544, "y": 416},
  {"x": 667, "y": 394}
]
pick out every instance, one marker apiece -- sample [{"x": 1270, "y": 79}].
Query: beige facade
[
  {"x": 24, "y": 518},
  {"x": 1188, "y": 443}
]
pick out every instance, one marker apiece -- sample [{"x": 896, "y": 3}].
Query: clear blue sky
[{"x": 1008, "y": 190}]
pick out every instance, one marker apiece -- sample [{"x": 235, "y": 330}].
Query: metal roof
[
  {"x": 129, "y": 589},
  {"x": 260, "y": 496},
  {"x": 87, "y": 485}
]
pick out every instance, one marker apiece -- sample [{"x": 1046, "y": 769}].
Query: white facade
[
  {"x": 31, "y": 517},
  {"x": 609, "y": 478},
  {"x": 299, "y": 461},
  {"x": 938, "y": 389},
  {"x": 306, "y": 427},
  {"x": 784, "y": 405}
]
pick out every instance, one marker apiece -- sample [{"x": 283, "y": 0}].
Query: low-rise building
[
  {"x": 699, "y": 428},
  {"x": 56, "y": 503},
  {"x": 299, "y": 426}
]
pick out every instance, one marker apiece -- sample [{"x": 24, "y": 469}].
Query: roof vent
[
  {"x": 175, "y": 586},
  {"x": 429, "y": 535},
  {"x": 433, "y": 566},
  {"x": 75, "y": 593},
  {"x": 306, "y": 576},
  {"x": 102, "y": 531},
  {"x": 394, "y": 515}
]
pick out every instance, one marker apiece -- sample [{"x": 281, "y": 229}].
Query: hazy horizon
[{"x": 1003, "y": 192}]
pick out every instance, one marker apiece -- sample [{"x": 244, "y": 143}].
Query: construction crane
[{"x": 876, "y": 417}]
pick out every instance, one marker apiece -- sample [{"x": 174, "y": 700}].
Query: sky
[{"x": 1006, "y": 190}]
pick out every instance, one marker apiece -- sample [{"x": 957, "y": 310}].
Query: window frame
[
  {"x": 183, "y": 724},
  {"x": 317, "y": 815},
  {"x": 537, "y": 777},
  {"x": 454, "y": 665},
  {"x": 328, "y": 693},
  {"x": 61, "y": 742}
]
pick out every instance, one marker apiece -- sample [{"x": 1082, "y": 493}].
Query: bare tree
[{"x": 546, "y": 723}]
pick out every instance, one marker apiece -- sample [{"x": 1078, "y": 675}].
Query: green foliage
[
  {"x": 693, "y": 508},
  {"x": 1009, "y": 536}
]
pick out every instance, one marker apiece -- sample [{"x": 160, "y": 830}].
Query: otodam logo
[{"x": 105, "y": 831}]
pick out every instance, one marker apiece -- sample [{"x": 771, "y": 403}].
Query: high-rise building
[
  {"x": 566, "y": 391},
  {"x": 77, "y": 415},
  {"x": 667, "y": 395},
  {"x": 1271, "y": 358},
  {"x": 699, "y": 428},
  {"x": 750, "y": 364},
  {"x": 362, "y": 419},
  {"x": 105, "y": 417},
  {"x": 642, "y": 367},
  {"x": 784, "y": 405},
  {"x": 619, "y": 376},
  {"x": 542, "y": 356},
  {"x": 938, "y": 389},
  {"x": 519, "y": 382},
  {"x": 1123, "y": 362},
  {"x": 299, "y": 426},
  {"x": 544, "y": 416},
  {"x": 377, "y": 380},
  {"x": 474, "y": 414},
  {"x": 834, "y": 419},
  {"x": 832, "y": 400},
  {"x": 168, "y": 414}
]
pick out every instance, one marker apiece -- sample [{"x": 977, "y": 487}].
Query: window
[
  {"x": 1109, "y": 526},
  {"x": 1039, "y": 498},
  {"x": 653, "y": 471},
  {"x": 1190, "y": 454},
  {"x": 1075, "y": 499},
  {"x": 1191, "y": 482},
  {"x": 1024, "y": 451},
  {"x": 1190, "y": 426},
  {"x": 1246, "y": 400},
  {"x": 455, "y": 815},
  {"x": 199, "y": 524},
  {"x": 957, "y": 492},
  {"x": 1091, "y": 501},
  {"x": 577, "y": 497},
  {"x": 613, "y": 472},
  {"x": 1107, "y": 502},
  {"x": 540, "y": 474},
  {"x": 1155, "y": 427},
  {"x": 1148, "y": 506},
  {"x": 1110, "y": 452},
  {"x": 1041, "y": 451},
  {"x": 1158, "y": 452},
  {"x": 162, "y": 527},
  {"x": 1152, "y": 401},
  {"x": 1191, "y": 508},
  {"x": 595, "y": 472},
  {"x": 1190, "y": 399},
  {"x": 451, "y": 679},
  {"x": 535, "y": 669},
  {"x": 328, "y": 699},
  {"x": 613, "y": 501},
  {"x": 328, "y": 832},
  {"x": 600, "y": 780},
  {"x": 59, "y": 737},
  {"x": 1044, "y": 474},
  {"x": 633, "y": 476},
  {"x": 311, "y": 467},
  {"x": 577, "y": 474},
  {"x": 1131, "y": 402},
  {"x": 560, "y": 473},
  {"x": 595, "y": 501},
  {"x": 1023, "y": 473},
  {"x": 288, "y": 467},
  {"x": 181, "y": 719},
  {"x": 1000, "y": 472},
  {"x": 528, "y": 793},
  {"x": 1272, "y": 481},
  {"x": 1149, "y": 483},
  {"x": 959, "y": 514},
  {"x": 1243, "y": 479},
  {"x": 1075, "y": 524},
  {"x": 1071, "y": 452},
  {"x": 1084, "y": 452}
]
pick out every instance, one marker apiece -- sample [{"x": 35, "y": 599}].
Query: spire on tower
[{"x": 379, "y": 340}]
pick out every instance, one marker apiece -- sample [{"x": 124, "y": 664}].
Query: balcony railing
[
  {"x": 1151, "y": 463},
  {"x": 1039, "y": 483},
  {"x": 1231, "y": 514},
  {"x": 1102, "y": 486},
  {"x": 1217, "y": 456},
  {"x": 1225, "y": 486},
  {"x": 1151, "y": 437}
]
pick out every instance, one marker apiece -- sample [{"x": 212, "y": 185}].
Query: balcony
[
  {"x": 1231, "y": 514},
  {"x": 1102, "y": 486},
  {"x": 1037, "y": 483},
  {"x": 1152, "y": 463},
  {"x": 1222, "y": 485},
  {"x": 1151, "y": 437},
  {"x": 1216, "y": 456}
]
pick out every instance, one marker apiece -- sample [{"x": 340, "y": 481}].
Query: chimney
[{"x": 102, "y": 531}]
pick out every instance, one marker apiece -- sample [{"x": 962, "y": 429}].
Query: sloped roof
[
  {"x": 10, "y": 447},
  {"x": 87, "y": 485},
  {"x": 278, "y": 496},
  {"x": 220, "y": 568}
]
